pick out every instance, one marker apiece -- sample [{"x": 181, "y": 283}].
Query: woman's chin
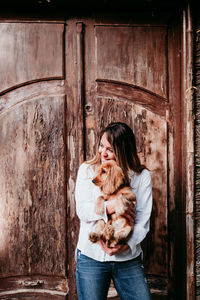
[{"x": 103, "y": 160}]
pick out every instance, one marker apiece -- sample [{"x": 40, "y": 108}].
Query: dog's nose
[{"x": 93, "y": 180}]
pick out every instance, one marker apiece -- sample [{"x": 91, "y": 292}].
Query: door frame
[{"x": 188, "y": 146}]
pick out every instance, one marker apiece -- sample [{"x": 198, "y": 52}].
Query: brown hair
[{"x": 123, "y": 142}]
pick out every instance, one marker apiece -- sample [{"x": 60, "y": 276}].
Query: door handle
[{"x": 31, "y": 283}]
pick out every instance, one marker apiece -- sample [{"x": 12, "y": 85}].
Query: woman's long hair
[{"x": 122, "y": 139}]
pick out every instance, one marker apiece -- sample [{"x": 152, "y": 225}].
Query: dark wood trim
[
  {"x": 80, "y": 79},
  {"x": 176, "y": 263},
  {"x": 134, "y": 93}
]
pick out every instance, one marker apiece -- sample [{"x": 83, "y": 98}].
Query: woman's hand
[
  {"x": 118, "y": 249},
  {"x": 130, "y": 214}
]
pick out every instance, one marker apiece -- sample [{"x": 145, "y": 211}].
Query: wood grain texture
[
  {"x": 35, "y": 52},
  {"x": 33, "y": 162},
  {"x": 133, "y": 54},
  {"x": 33, "y": 193},
  {"x": 33, "y": 210}
]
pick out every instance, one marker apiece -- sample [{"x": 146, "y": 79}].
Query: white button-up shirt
[{"x": 86, "y": 194}]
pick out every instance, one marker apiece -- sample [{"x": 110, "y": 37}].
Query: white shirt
[{"x": 86, "y": 194}]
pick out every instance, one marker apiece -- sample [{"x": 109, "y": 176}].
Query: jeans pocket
[
  {"x": 78, "y": 254},
  {"x": 82, "y": 259}
]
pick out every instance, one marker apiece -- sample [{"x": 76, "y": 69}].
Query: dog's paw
[
  {"x": 109, "y": 232},
  {"x": 99, "y": 207},
  {"x": 94, "y": 237}
]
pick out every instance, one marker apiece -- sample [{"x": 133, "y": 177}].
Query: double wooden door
[{"x": 60, "y": 82}]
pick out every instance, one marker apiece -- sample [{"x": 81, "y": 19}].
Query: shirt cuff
[{"x": 139, "y": 234}]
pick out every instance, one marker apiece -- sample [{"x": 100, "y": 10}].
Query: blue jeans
[{"x": 93, "y": 279}]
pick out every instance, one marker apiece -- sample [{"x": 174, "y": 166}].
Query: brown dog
[{"x": 118, "y": 229}]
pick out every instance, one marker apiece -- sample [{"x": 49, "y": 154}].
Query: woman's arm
[{"x": 85, "y": 198}]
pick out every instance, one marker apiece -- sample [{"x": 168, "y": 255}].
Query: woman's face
[{"x": 105, "y": 149}]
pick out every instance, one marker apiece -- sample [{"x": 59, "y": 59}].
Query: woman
[{"x": 96, "y": 263}]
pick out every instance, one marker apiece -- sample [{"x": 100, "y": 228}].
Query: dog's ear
[
  {"x": 118, "y": 178},
  {"x": 108, "y": 187},
  {"x": 114, "y": 179}
]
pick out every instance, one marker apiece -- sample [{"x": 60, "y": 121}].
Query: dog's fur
[{"x": 118, "y": 229}]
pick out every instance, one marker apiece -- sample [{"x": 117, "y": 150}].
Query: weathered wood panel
[
  {"x": 33, "y": 192},
  {"x": 33, "y": 211},
  {"x": 30, "y": 52},
  {"x": 133, "y": 54},
  {"x": 32, "y": 161}
]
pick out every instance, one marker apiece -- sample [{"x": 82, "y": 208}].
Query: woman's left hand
[
  {"x": 130, "y": 214},
  {"x": 118, "y": 249}
]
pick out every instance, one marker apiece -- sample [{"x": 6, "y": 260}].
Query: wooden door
[
  {"x": 32, "y": 161},
  {"x": 132, "y": 74},
  {"x": 59, "y": 86}
]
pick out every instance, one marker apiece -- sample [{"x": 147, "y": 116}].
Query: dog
[{"x": 117, "y": 230}]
